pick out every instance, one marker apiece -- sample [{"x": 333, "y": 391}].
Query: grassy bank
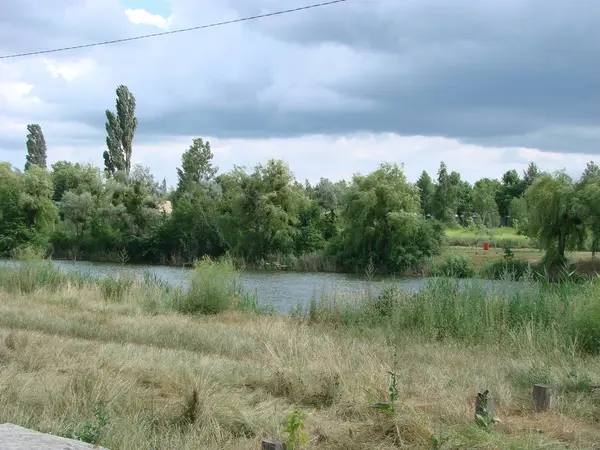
[{"x": 130, "y": 367}]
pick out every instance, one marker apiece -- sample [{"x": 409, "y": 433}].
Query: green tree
[
  {"x": 78, "y": 209},
  {"x": 13, "y": 231},
  {"x": 591, "y": 173},
  {"x": 261, "y": 216},
  {"x": 329, "y": 197},
  {"x": 120, "y": 130},
  {"x": 517, "y": 211},
  {"x": 36, "y": 147},
  {"x": 552, "y": 206},
  {"x": 512, "y": 187},
  {"x": 463, "y": 195},
  {"x": 77, "y": 177},
  {"x": 382, "y": 222},
  {"x": 484, "y": 203},
  {"x": 36, "y": 199},
  {"x": 530, "y": 174},
  {"x": 589, "y": 201},
  {"x": 445, "y": 200},
  {"x": 427, "y": 194},
  {"x": 196, "y": 167}
]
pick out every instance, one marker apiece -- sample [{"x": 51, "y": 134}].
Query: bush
[
  {"x": 213, "y": 288},
  {"x": 512, "y": 269},
  {"x": 455, "y": 266}
]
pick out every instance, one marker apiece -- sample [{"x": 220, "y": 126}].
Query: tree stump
[
  {"x": 273, "y": 445},
  {"x": 542, "y": 395},
  {"x": 484, "y": 406}
]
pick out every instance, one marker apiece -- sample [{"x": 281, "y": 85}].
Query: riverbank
[{"x": 124, "y": 363}]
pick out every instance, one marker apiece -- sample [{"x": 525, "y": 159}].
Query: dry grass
[{"x": 224, "y": 382}]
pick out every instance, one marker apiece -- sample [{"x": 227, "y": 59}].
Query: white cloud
[
  {"x": 17, "y": 94},
  {"x": 69, "y": 70},
  {"x": 143, "y": 17}
]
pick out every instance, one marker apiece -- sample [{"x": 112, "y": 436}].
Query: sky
[{"x": 483, "y": 85}]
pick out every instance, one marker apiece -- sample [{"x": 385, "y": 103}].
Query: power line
[{"x": 182, "y": 30}]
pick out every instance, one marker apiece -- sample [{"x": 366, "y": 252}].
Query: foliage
[
  {"x": 264, "y": 215},
  {"x": 382, "y": 223},
  {"x": 120, "y": 129},
  {"x": 517, "y": 211},
  {"x": 196, "y": 167},
  {"x": 36, "y": 147},
  {"x": 294, "y": 426},
  {"x": 455, "y": 266},
  {"x": 393, "y": 394},
  {"x": 427, "y": 194},
  {"x": 509, "y": 268},
  {"x": 484, "y": 203},
  {"x": 93, "y": 431},
  {"x": 589, "y": 205},
  {"x": 446, "y": 197},
  {"x": 553, "y": 215}
]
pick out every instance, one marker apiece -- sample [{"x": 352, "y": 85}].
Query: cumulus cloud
[
  {"x": 491, "y": 79},
  {"x": 143, "y": 17}
]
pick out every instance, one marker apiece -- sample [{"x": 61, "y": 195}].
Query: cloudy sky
[{"x": 483, "y": 85}]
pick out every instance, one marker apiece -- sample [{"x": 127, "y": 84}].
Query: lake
[{"x": 283, "y": 290}]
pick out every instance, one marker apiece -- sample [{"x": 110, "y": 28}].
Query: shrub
[
  {"x": 512, "y": 269},
  {"x": 455, "y": 266}
]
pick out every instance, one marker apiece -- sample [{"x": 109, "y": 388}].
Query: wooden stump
[
  {"x": 273, "y": 445},
  {"x": 484, "y": 406},
  {"x": 542, "y": 395}
]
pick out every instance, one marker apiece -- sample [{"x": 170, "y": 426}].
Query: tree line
[{"x": 78, "y": 211}]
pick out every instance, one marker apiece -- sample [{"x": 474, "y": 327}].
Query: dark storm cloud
[{"x": 519, "y": 72}]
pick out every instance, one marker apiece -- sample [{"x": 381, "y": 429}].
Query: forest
[{"x": 264, "y": 215}]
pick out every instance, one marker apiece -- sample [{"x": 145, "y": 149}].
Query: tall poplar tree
[
  {"x": 36, "y": 147},
  {"x": 120, "y": 130}
]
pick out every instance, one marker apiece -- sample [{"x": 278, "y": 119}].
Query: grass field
[
  {"x": 497, "y": 237},
  {"x": 479, "y": 256},
  {"x": 118, "y": 365}
]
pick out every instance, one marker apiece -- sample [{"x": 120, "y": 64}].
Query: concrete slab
[{"x": 14, "y": 437}]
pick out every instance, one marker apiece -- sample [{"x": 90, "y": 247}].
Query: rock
[{"x": 14, "y": 437}]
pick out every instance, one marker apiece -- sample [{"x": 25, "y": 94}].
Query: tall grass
[
  {"x": 534, "y": 315},
  {"x": 213, "y": 288},
  {"x": 26, "y": 277},
  {"x": 314, "y": 262}
]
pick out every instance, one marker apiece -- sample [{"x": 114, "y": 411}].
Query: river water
[{"x": 280, "y": 289}]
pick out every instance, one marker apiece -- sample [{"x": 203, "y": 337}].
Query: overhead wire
[{"x": 182, "y": 30}]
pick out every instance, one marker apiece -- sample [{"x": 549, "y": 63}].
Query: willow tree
[{"x": 554, "y": 215}]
